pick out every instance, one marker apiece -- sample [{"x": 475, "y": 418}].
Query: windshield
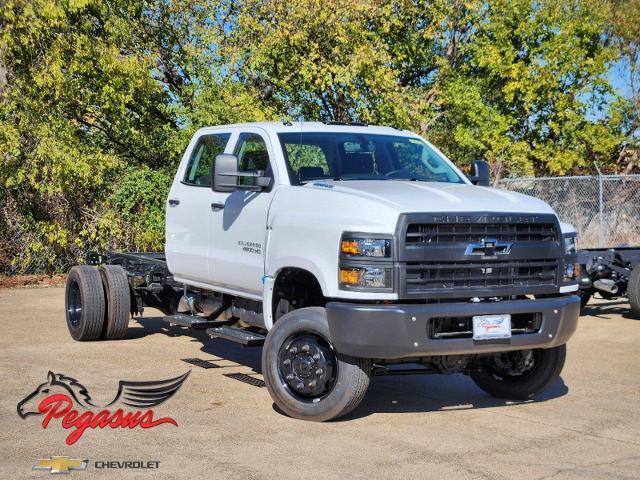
[{"x": 361, "y": 156}]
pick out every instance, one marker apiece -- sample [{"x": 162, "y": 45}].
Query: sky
[{"x": 619, "y": 77}]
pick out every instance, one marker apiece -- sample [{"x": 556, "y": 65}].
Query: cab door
[
  {"x": 239, "y": 220},
  {"x": 188, "y": 210}
]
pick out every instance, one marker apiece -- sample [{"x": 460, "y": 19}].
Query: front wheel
[
  {"x": 585, "y": 296},
  {"x": 305, "y": 376},
  {"x": 520, "y": 375}
]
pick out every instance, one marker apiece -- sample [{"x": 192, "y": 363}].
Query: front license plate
[{"x": 489, "y": 327}]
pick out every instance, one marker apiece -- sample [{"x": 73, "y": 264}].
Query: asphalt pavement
[{"x": 587, "y": 425}]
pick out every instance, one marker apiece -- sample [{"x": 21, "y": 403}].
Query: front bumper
[{"x": 401, "y": 331}]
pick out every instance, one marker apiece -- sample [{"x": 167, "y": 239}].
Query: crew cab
[{"x": 347, "y": 251}]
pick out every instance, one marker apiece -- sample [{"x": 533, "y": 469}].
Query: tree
[
  {"x": 98, "y": 98},
  {"x": 92, "y": 90},
  {"x": 626, "y": 34},
  {"x": 533, "y": 93},
  {"x": 522, "y": 84}
]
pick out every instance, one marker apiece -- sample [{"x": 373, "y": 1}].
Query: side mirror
[
  {"x": 223, "y": 173},
  {"x": 480, "y": 173},
  {"x": 225, "y": 176}
]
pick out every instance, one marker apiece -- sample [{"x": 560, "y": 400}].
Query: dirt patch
[{"x": 23, "y": 281}]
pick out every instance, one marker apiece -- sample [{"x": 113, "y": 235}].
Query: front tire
[
  {"x": 585, "y": 296},
  {"x": 520, "y": 375},
  {"x": 306, "y": 378},
  {"x": 84, "y": 302}
]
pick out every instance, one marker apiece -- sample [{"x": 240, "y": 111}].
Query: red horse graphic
[{"x": 56, "y": 398}]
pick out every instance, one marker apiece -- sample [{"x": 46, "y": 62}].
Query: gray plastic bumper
[{"x": 400, "y": 331}]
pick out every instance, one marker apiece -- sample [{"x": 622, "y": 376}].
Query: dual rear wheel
[{"x": 98, "y": 302}]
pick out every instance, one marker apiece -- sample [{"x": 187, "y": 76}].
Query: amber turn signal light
[
  {"x": 349, "y": 277},
  {"x": 350, "y": 247}
]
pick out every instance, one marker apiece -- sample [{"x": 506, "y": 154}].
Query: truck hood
[{"x": 408, "y": 196}]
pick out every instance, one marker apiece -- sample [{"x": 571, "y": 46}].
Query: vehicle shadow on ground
[
  {"x": 604, "y": 309},
  {"x": 435, "y": 393},
  {"x": 386, "y": 394},
  {"x": 227, "y": 353},
  {"x": 141, "y": 327}
]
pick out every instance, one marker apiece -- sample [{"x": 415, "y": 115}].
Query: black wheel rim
[
  {"x": 307, "y": 366},
  {"x": 74, "y": 305}
]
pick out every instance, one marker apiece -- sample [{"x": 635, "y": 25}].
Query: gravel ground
[{"x": 586, "y": 426}]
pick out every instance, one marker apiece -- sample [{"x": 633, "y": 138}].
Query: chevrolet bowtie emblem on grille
[
  {"x": 488, "y": 247},
  {"x": 60, "y": 464}
]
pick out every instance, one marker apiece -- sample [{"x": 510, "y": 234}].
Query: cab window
[
  {"x": 202, "y": 158},
  {"x": 252, "y": 154}
]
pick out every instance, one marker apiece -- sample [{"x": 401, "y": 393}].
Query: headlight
[
  {"x": 571, "y": 272},
  {"x": 366, "y": 247},
  {"x": 365, "y": 277},
  {"x": 366, "y": 262},
  {"x": 570, "y": 244}
]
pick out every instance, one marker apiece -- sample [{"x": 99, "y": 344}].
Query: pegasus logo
[
  {"x": 56, "y": 398},
  {"x": 488, "y": 247}
]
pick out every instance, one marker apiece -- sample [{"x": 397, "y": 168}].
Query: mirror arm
[
  {"x": 242, "y": 174},
  {"x": 250, "y": 188},
  {"x": 263, "y": 182}
]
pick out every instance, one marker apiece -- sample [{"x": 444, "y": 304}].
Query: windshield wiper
[{"x": 405, "y": 179}]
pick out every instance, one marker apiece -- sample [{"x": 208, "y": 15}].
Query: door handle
[
  {"x": 174, "y": 202},
  {"x": 215, "y": 206}
]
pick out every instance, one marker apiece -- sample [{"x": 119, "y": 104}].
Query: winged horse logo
[
  {"x": 56, "y": 398},
  {"x": 133, "y": 394}
]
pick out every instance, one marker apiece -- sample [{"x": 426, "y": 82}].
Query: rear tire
[
  {"x": 633, "y": 290},
  {"x": 499, "y": 383},
  {"x": 338, "y": 390},
  {"x": 84, "y": 303},
  {"x": 118, "y": 307}
]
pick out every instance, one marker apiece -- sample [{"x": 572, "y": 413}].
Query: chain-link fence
[
  {"x": 605, "y": 209},
  {"x": 41, "y": 258}
]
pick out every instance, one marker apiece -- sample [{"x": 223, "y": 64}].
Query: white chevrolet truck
[{"x": 347, "y": 251}]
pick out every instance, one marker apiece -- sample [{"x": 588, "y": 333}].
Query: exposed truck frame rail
[
  {"x": 150, "y": 282},
  {"x": 612, "y": 273}
]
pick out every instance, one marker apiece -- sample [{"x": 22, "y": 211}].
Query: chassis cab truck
[{"x": 347, "y": 251}]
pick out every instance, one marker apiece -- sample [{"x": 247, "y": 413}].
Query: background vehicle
[
  {"x": 612, "y": 273},
  {"x": 360, "y": 250}
]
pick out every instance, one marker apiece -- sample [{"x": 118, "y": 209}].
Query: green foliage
[
  {"x": 139, "y": 200},
  {"x": 531, "y": 76},
  {"x": 306, "y": 156},
  {"x": 521, "y": 84},
  {"x": 98, "y": 99},
  {"x": 625, "y": 111}
]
